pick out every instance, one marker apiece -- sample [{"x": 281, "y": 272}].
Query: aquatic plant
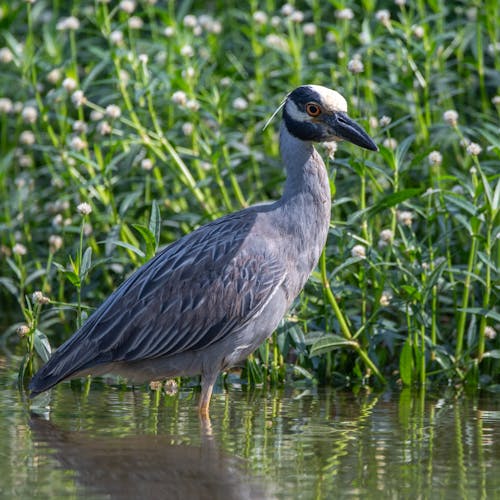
[{"x": 124, "y": 126}]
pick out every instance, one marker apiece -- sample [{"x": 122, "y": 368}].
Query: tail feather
[{"x": 69, "y": 360}]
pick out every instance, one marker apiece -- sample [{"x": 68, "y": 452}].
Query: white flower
[
  {"x": 313, "y": 55},
  {"x": 358, "y": 251},
  {"x": 69, "y": 84},
  {"x": 190, "y": 21},
  {"x": 187, "y": 128},
  {"x": 116, "y": 37},
  {"x": 215, "y": 27},
  {"x": 404, "y": 217},
  {"x": 127, "y": 6},
  {"x": 27, "y": 137},
  {"x": 188, "y": 73},
  {"x": 147, "y": 164},
  {"x": 39, "y": 298},
  {"x": 19, "y": 249},
  {"x": 474, "y": 149},
  {"x": 78, "y": 98},
  {"x": 451, "y": 117},
  {"x": 296, "y": 16},
  {"x": 77, "y": 143},
  {"x": 55, "y": 242},
  {"x": 400, "y": 3},
  {"x": 260, "y": 17},
  {"x": 79, "y": 126},
  {"x": 179, "y": 97},
  {"x": 490, "y": 333},
  {"x": 355, "y": 66},
  {"x": 193, "y": 105},
  {"x": 331, "y": 148},
  {"x": 344, "y": 14},
  {"x": 385, "y": 298},
  {"x": 240, "y": 104},
  {"x": 22, "y": 330},
  {"x": 96, "y": 115},
  {"x": 6, "y": 105},
  {"x": 104, "y": 128},
  {"x": 169, "y": 31},
  {"x": 25, "y": 161},
  {"x": 84, "y": 208},
  {"x": 135, "y": 23},
  {"x": 6, "y": 55},
  {"x": 275, "y": 21},
  {"x": 435, "y": 158},
  {"x": 384, "y": 16},
  {"x": 124, "y": 76},
  {"x": 287, "y": 9},
  {"x": 309, "y": 29},
  {"x": 496, "y": 100},
  {"x": 384, "y": 121},
  {"x": 70, "y": 23},
  {"x": 390, "y": 143},
  {"x": 385, "y": 237},
  {"x": 113, "y": 111},
  {"x": 29, "y": 114},
  {"x": 187, "y": 51},
  {"x": 277, "y": 42},
  {"x": 54, "y": 76},
  {"x": 143, "y": 58},
  {"x": 418, "y": 31}
]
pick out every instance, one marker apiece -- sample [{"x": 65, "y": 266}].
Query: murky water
[{"x": 113, "y": 443}]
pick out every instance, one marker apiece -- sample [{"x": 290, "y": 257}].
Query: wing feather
[{"x": 190, "y": 295}]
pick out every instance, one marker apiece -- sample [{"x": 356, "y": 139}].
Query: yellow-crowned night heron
[{"x": 207, "y": 301}]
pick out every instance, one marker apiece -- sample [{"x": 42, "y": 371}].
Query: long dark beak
[{"x": 347, "y": 129}]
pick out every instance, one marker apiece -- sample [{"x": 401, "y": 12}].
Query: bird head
[{"x": 316, "y": 113}]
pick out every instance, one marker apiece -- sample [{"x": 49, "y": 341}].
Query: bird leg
[{"x": 207, "y": 385}]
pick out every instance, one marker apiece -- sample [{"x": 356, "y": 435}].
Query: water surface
[{"x": 291, "y": 443}]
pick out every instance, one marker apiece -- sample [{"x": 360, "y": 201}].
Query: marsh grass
[{"x": 151, "y": 114}]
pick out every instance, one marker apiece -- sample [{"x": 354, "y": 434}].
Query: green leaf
[
  {"x": 86, "y": 263},
  {"x": 42, "y": 345},
  {"x": 302, "y": 371},
  {"x": 495, "y": 354},
  {"x": 23, "y": 367},
  {"x": 9, "y": 284},
  {"x": 130, "y": 199},
  {"x": 328, "y": 343},
  {"x": 388, "y": 201},
  {"x": 128, "y": 246},
  {"x": 148, "y": 237},
  {"x": 482, "y": 312},
  {"x": 495, "y": 204},
  {"x": 155, "y": 223},
  {"x": 406, "y": 363},
  {"x": 35, "y": 275},
  {"x": 461, "y": 203}
]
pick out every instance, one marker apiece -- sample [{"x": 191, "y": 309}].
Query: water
[{"x": 304, "y": 444}]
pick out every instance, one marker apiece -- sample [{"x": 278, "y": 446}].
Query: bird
[{"x": 205, "y": 302}]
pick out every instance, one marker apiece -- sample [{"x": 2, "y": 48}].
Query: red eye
[{"x": 313, "y": 109}]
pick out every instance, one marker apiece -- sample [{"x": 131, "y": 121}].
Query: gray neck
[
  {"x": 305, "y": 170},
  {"x": 303, "y": 213}
]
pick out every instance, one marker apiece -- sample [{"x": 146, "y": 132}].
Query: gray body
[{"x": 207, "y": 301}]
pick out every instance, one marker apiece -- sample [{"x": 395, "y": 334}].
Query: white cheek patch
[
  {"x": 331, "y": 100},
  {"x": 295, "y": 113}
]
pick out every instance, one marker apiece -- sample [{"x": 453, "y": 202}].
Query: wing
[{"x": 190, "y": 295}]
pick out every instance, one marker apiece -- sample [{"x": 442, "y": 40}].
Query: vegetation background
[{"x": 125, "y": 125}]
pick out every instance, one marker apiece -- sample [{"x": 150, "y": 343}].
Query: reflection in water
[
  {"x": 146, "y": 466},
  {"x": 310, "y": 444}
]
